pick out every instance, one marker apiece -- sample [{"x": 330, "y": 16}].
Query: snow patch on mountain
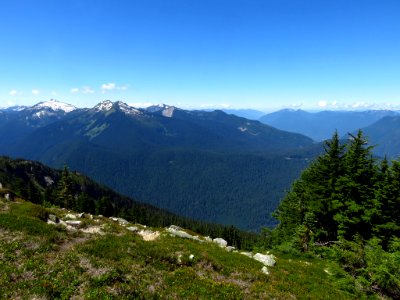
[
  {"x": 166, "y": 110},
  {"x": 127, "y": 109},
  {"x": 54, "y": 105},
  {"x": 15, "y": 108},
  {"x": 104, "y": 106}
]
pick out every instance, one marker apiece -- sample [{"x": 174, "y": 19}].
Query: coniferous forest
[
  {"x": 346, "y": 206},
  {"x": 67, "y": 189}
]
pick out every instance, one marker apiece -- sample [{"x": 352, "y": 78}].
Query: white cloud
[
  {"x": 13, "y": 93},
  {"x": 83, "y": 90},
  {"x": 87, "y": 90},
  {"x": 54, "y": 93},
  {"x": 322, "y": 103},
  {"x": 35, "y": 92},
  {"x": 111, "y": 86},
  {"x": 108, "y": 86}
]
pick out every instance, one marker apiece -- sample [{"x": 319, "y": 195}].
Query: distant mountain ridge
[
  {"x": 320, "y": 125},
  {"x": 206, "y": 165},
  {"x": 384, "y": 135}
]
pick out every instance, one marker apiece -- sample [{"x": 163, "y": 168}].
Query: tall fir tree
[
  {"x": 354, "y": 204},
  {"x": 65, "y": 196}
]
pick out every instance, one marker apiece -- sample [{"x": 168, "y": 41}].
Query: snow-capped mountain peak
[
  {"x": 130, "y": 110},
  {"x": 104, "y": 105},
  {"x": 122, "y": 106},
  {"x": 54, "y": 105}
]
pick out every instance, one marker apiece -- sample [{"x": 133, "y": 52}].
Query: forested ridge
[
  {"x": 42, "y": 185},
  {"x": 346, "y": 206}
]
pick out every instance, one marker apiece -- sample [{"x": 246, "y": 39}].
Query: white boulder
[
  {"x": 265, "y": 270},
  {"x": 133, "y": 228},
  {"x": 267, "y": 259},
  {"x": 179, "y": 232},
  {"x": 70, "y": 216},
  {"x": 73, "y": 223},
  {"x": 221, "y": 242}
]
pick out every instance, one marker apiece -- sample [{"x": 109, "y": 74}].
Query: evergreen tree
[
  {"x": 65, "y": 196},
  {"x": 354, "y": 201},
  {"x": 387, "y": 195},
  {"x": 307, "y": 210}
]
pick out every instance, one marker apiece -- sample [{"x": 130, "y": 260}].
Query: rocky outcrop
[
  {"x": 179, "y": 232},
  {"x": 220, "y": 242}
]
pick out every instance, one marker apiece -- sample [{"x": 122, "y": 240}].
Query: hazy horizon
[{"x": 262, "y": 55}]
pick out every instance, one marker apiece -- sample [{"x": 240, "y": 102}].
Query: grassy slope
[{"x": 41, "y": 260}]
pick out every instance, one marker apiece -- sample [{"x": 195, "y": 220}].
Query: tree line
[{"x": 346, "y": 204}]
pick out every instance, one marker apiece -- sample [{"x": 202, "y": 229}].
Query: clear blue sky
[{"x": 265, "y": 54}]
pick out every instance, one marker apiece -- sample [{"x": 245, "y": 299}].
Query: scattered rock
[
  {"x": 133, "y": 228},
  {"x": 248, "y": 254},
  {"x": 51, "y": 222},
  {"x": 70, "y": 216},
  {"x": 230, "y": 248},
  {"x": 73, "y": 223},
  {"x": 267, "y": 260},
  {"x": 92, "y": 230},
  {"x": 53, "y": 218},
  {"x": 191, "y": 257},
  {"x": 149, "y": 235},
  {"x": 121, "y": 221},
  {"x": 62, "y": 223},
  {"x": 208, "y": 239},
  {"x": 265, "y": 270},
  {"x": 176, "y": 228},
  {"x": 7, "y": 197},
  {"x": 81, "y": 215},
  {"x": 221, "y": 242},
  {"x": 177, "y": 231}
]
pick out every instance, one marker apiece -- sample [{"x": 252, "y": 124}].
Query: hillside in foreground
[{"x": 92, "y": 257}]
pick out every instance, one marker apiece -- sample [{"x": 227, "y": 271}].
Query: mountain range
[
  {"x": 205, "y": 165},
  {"x": 320, "y": 125},
  {"x": 384, "y": 135}
]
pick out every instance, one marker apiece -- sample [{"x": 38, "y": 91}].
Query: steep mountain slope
[
  {"x": 320, "y": 125},
  {"x": 385, "y": 135},
  {"x": 206, "y": 165}
]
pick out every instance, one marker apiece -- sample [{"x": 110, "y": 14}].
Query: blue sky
[{"x": 265, "y": 55}]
